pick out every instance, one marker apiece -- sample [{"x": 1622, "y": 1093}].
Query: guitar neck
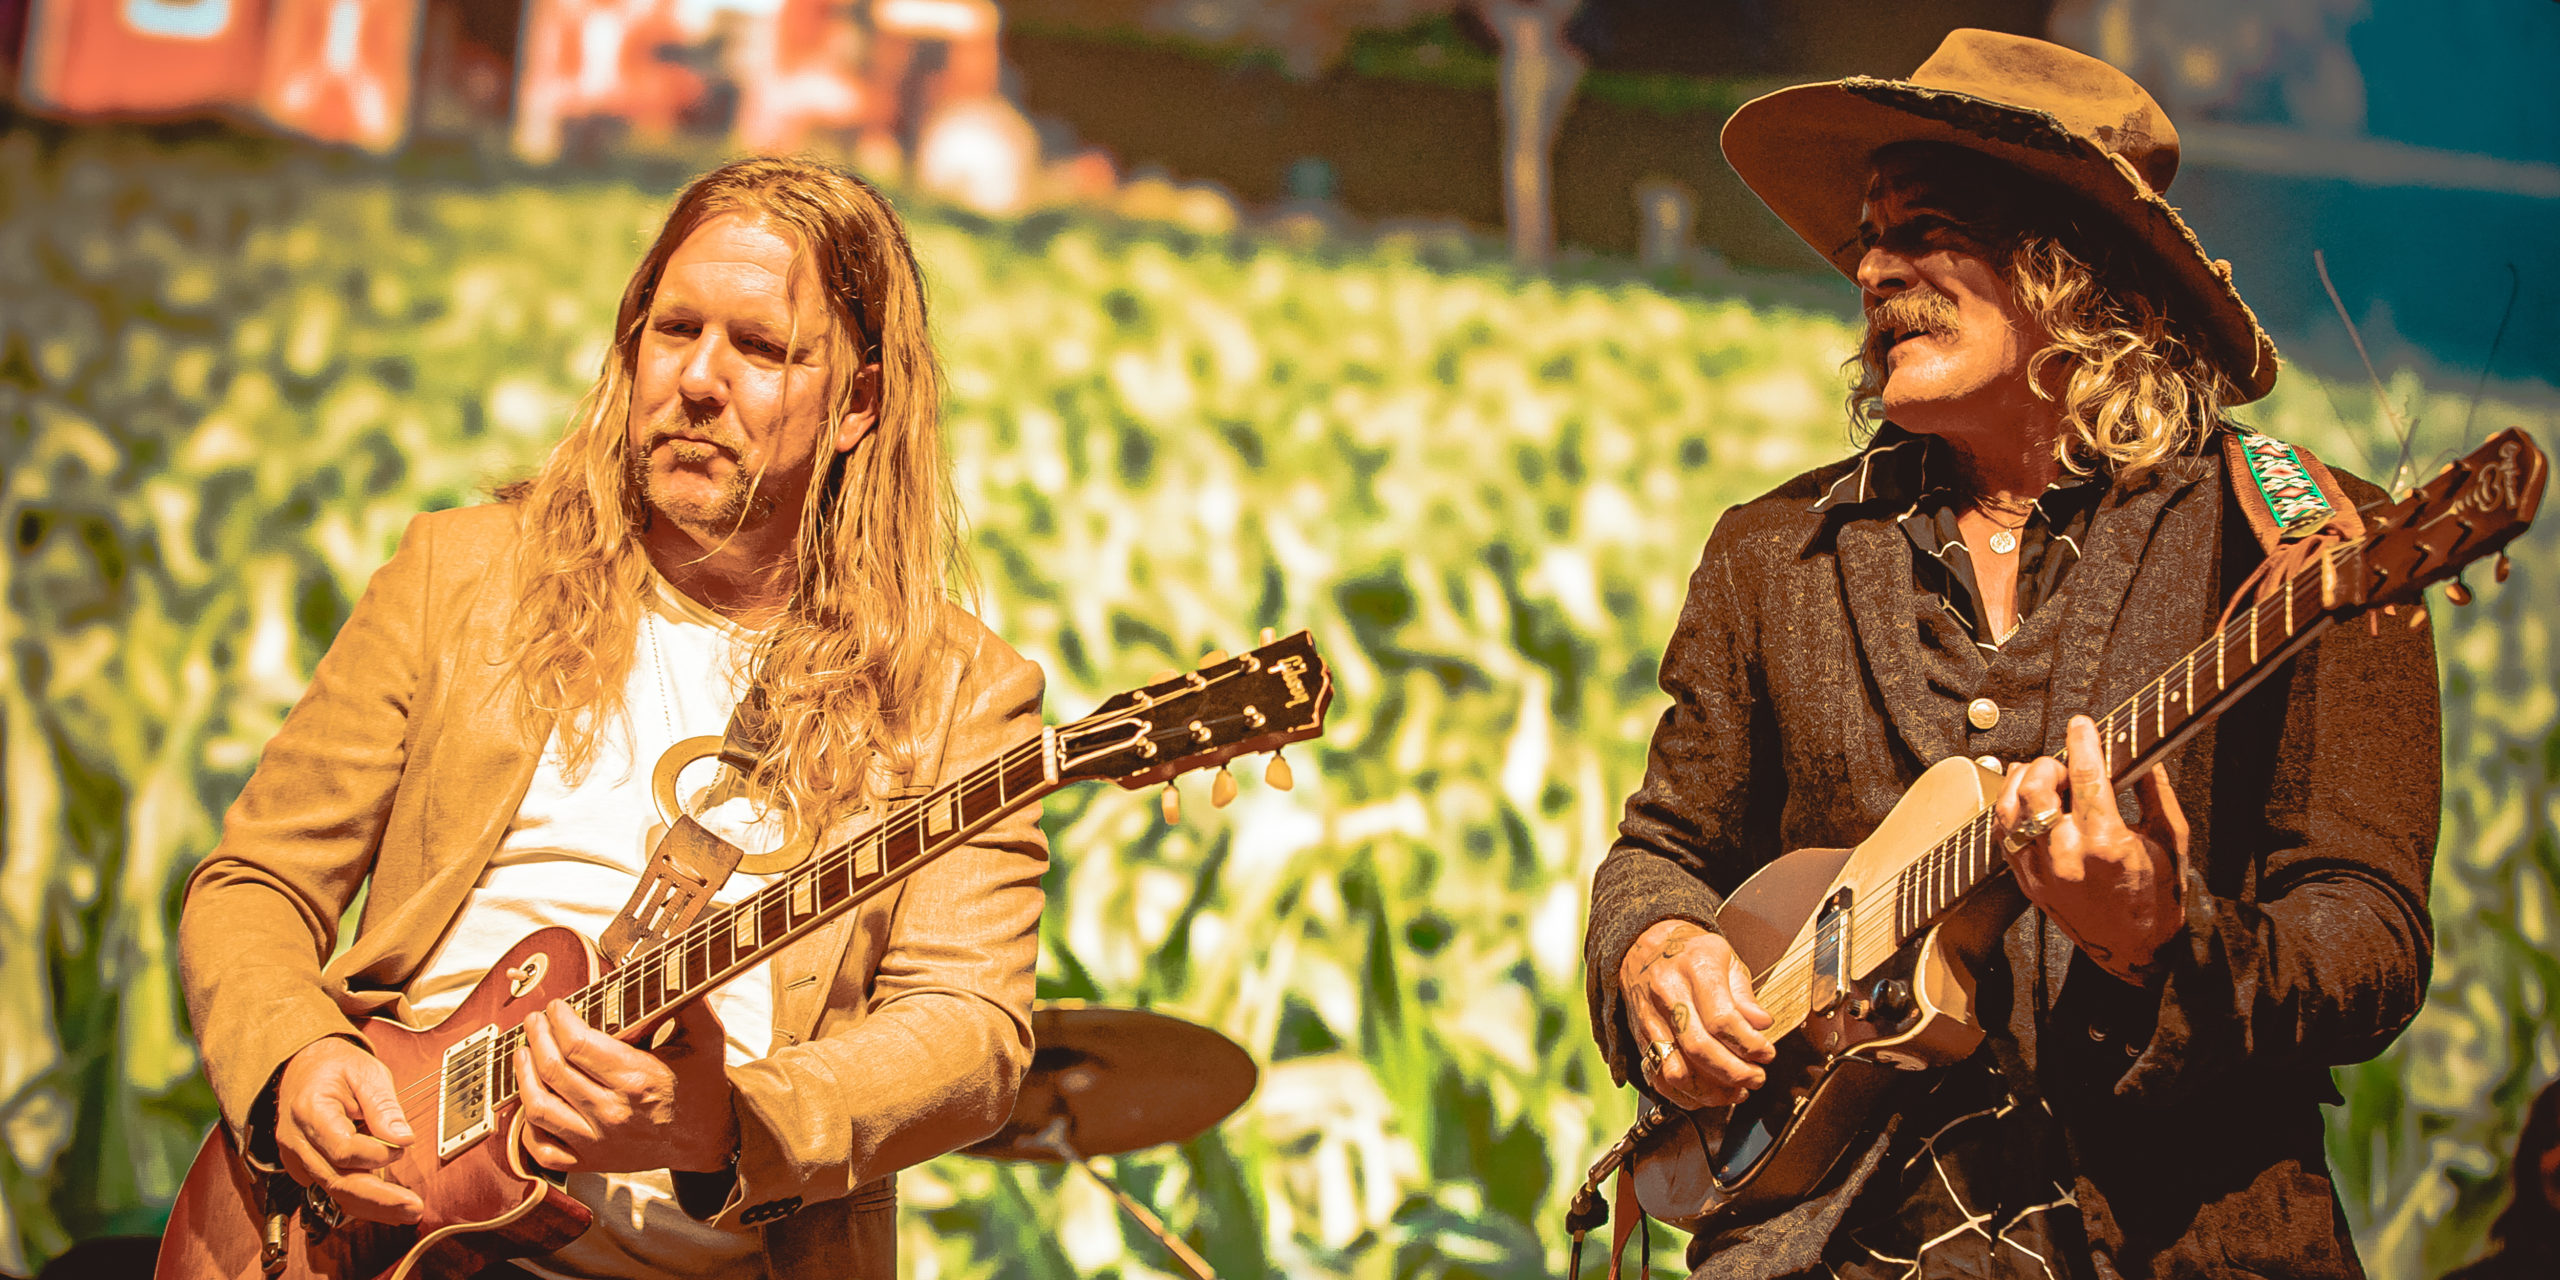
[
  {"x": 2146, "y": 727},
  {"x": 1259, "y": 700},
  {"x": 632, "y": 1000}
]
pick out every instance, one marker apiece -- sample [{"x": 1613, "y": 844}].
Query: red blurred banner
[
  {"x": 599, "y": 58},
  {"x": 340, "y": 70},
  {"x": 143, "y": 57},
  {"x": 792, "y": 73}
]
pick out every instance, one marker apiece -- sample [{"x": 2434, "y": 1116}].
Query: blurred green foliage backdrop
[{"x": 230, "y": 372}]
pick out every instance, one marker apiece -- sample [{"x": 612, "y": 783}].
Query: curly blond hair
[
  {"x": 2133, "y": 385},
  {"x": 878, "y": 550}
]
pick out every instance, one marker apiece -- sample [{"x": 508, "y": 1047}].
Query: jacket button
[
  {"x": 1992, "y": 763},
  {"x": 1983, "y": 714}
]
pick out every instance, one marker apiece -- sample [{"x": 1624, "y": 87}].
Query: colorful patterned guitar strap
[{"x": 2292, "y": 504}]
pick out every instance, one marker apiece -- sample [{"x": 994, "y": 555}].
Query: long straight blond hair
[{"x": 878, "y": 545}]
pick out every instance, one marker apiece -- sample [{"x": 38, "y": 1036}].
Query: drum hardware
[{"x": 1106, "y": 1081}]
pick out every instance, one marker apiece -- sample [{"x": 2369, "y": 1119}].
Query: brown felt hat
[{"x": 1809, "y": 151}]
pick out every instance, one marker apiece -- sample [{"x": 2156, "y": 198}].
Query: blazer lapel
[
  {"x": 2124, "y": 528},
  {"x": 1875, "y": 578},
  {"x": 478, "y": 761}
]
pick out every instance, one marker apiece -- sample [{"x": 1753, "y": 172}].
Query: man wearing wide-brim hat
[{"x": 2052, "y": 509}]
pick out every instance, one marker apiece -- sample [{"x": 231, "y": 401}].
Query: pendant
[{"x": 2004, "y": 541}]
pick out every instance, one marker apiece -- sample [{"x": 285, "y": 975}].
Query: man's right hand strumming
[
  {"x": 327, "y": 1087},
  {"x": 1697, "y": 1026}
]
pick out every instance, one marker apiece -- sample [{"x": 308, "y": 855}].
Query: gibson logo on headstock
[{"x": 1293, "y": 670}]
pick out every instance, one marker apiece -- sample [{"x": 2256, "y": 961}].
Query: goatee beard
[{"x": 741, "y": 502}]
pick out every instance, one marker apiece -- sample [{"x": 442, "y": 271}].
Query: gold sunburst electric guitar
[{"x": 486, "y": 1201}]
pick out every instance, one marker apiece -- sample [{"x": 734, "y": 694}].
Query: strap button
[{"x": 1982, "y": 713}]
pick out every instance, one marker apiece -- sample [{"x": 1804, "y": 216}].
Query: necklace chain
[
  {"x": 658, "y": 660},
  {"x": 667, "y": 690}
]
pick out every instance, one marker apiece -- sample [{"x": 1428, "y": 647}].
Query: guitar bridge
[{"x": 463, "y": 1104}]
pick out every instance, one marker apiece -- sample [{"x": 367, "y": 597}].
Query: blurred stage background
[{"x": 1436, "y": 327}]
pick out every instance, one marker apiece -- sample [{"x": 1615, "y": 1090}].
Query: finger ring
[
  {"x": 2032, "y": 827},
  {"x": 1655, "y": 1053}
]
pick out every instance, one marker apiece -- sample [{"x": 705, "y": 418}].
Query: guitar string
[
  {"x": 588, "y": 1000},
  {"x": 2309, "y": 588},
  {"x": 627, "y": 982},
  {"x": 1874, "y": 929}
]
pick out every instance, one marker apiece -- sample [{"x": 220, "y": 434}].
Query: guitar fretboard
[
  {"x": 729, "y": 941},
  {"x": 2146, "y": 726}
]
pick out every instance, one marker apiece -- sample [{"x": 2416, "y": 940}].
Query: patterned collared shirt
[{"x": 1915, "y": 478}]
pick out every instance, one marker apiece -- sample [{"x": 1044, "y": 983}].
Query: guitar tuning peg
[
  {"x": 1161, "y": 676},
  {"x": 1222, "y": 792},
  {"x": 1269, "y": 635},
  {"x": 2418, "y": 616},
  {"x": 1276, "y": 775},
  {"x": 1172, "y": 805},
  {"x": 2505, "y": 566},
  {"x": 2457, "y": 593},
  {"x": 1213, "y": 657}
]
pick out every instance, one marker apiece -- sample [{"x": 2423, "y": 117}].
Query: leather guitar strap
[
  {"x": 2293, "y": 506},
  {"x": 689, "y": 863},
  {"x": 1629, "y": 1222}
]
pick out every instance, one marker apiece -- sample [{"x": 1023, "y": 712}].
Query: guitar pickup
[
  {"x": 463, "y": 1102},
  {"x": 1830, "y": 976}
]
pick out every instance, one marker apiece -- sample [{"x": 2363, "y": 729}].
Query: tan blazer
[{"x": 901, "y": 1031}]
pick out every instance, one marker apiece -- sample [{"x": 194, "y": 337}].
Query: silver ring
[
  {"x": 2031, "y": 828},
  {"x": 1656, "y": 1053}
]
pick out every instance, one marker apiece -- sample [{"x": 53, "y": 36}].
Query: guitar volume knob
[{"x": 1892, "y": 1000}]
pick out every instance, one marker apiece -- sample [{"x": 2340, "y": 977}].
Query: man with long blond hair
[
  {"x": 2052, "y": 507},
  {"x": 753, "y": 495}
]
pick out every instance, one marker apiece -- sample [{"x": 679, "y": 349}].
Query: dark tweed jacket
[{"x": 1811, "y": 681}]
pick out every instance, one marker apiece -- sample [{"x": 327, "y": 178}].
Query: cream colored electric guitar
[{"x": 1866, "y": 957}]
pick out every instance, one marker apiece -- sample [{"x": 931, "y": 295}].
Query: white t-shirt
[{"x": 571, "y": 857}]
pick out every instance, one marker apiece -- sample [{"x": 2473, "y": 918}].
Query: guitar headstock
[
  {"x": 2470, "y": 509},
  {"x": 1255, "y": 701}
]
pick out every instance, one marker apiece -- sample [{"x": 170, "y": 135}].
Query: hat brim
[{"x": 1809, "y": 151}]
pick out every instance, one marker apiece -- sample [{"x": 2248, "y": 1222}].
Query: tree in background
[{"x": 1539, "y": 73}]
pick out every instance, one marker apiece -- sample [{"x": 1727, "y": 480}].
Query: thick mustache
[
  {"x": 1912, "y": 309},
  {"x": 676, "y": 426}
]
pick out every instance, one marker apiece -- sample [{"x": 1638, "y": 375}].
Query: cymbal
[{"x": 1121, "y": 1079}]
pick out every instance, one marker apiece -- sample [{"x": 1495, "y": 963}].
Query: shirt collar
[{"x": 1899, "y": 469}]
